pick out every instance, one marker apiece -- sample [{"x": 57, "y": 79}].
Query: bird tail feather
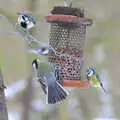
[
  {"x": 56, "y": 93},
  {"x": 103, "y": 88}
]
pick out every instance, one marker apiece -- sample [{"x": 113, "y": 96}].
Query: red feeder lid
[{"x": 68, "y": 18}]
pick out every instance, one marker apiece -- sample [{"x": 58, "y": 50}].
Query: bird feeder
[{"x": 67, "y": 37}]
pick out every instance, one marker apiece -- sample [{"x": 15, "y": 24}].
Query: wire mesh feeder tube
[{"x": 67, "y": 37}]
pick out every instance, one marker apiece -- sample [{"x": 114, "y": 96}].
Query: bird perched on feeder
[
  {"x": 40, "y": 75},
  {"x": 25, "y": 20},
  {"x": 53, "y": 90},
  {"x": 93, "y": 78}
]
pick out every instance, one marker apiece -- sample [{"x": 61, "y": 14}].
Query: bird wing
[
  {"x": 97, "y": 76},
  {"x": 50, "y": 84},
  {"x": 56, "y": 92},
  {"x": 42, "y": 80},
  {"x": 57, "y": 74}
]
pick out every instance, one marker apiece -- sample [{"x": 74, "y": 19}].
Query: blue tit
[
  {"x": 52, "y": 88},
  {"x": 40, "y": 51},
  {"x": 26, "y": 21},
  {"x": 93, "y": 78}
]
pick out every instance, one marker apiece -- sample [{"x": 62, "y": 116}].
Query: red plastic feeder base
[{"x": 76, "y": 83}]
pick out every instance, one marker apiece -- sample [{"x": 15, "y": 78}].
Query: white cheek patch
[
  {"x": 34, "y": 66},
  {"x": 90, "y": 74},
  {"x": 26, "y": 19},
  {"x": 29, "y": 24}
]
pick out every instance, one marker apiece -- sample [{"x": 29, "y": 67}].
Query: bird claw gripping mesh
[{"x": 67, "y": 37}]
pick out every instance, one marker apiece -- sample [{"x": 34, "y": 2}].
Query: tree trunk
[{"x": 3, "y": 109}]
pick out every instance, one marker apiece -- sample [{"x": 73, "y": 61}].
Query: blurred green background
[{"x": 102, "y": 48}]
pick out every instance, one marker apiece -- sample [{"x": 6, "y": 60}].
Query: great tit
[{"x": 52, "y": 88}]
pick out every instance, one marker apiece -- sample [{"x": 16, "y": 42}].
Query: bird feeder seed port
[{"x": 67, "y": 37}]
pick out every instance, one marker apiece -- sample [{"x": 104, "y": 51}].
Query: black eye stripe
[
  {"x": 27, "y": 18},
  {"x": 23, "y": 17}
]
